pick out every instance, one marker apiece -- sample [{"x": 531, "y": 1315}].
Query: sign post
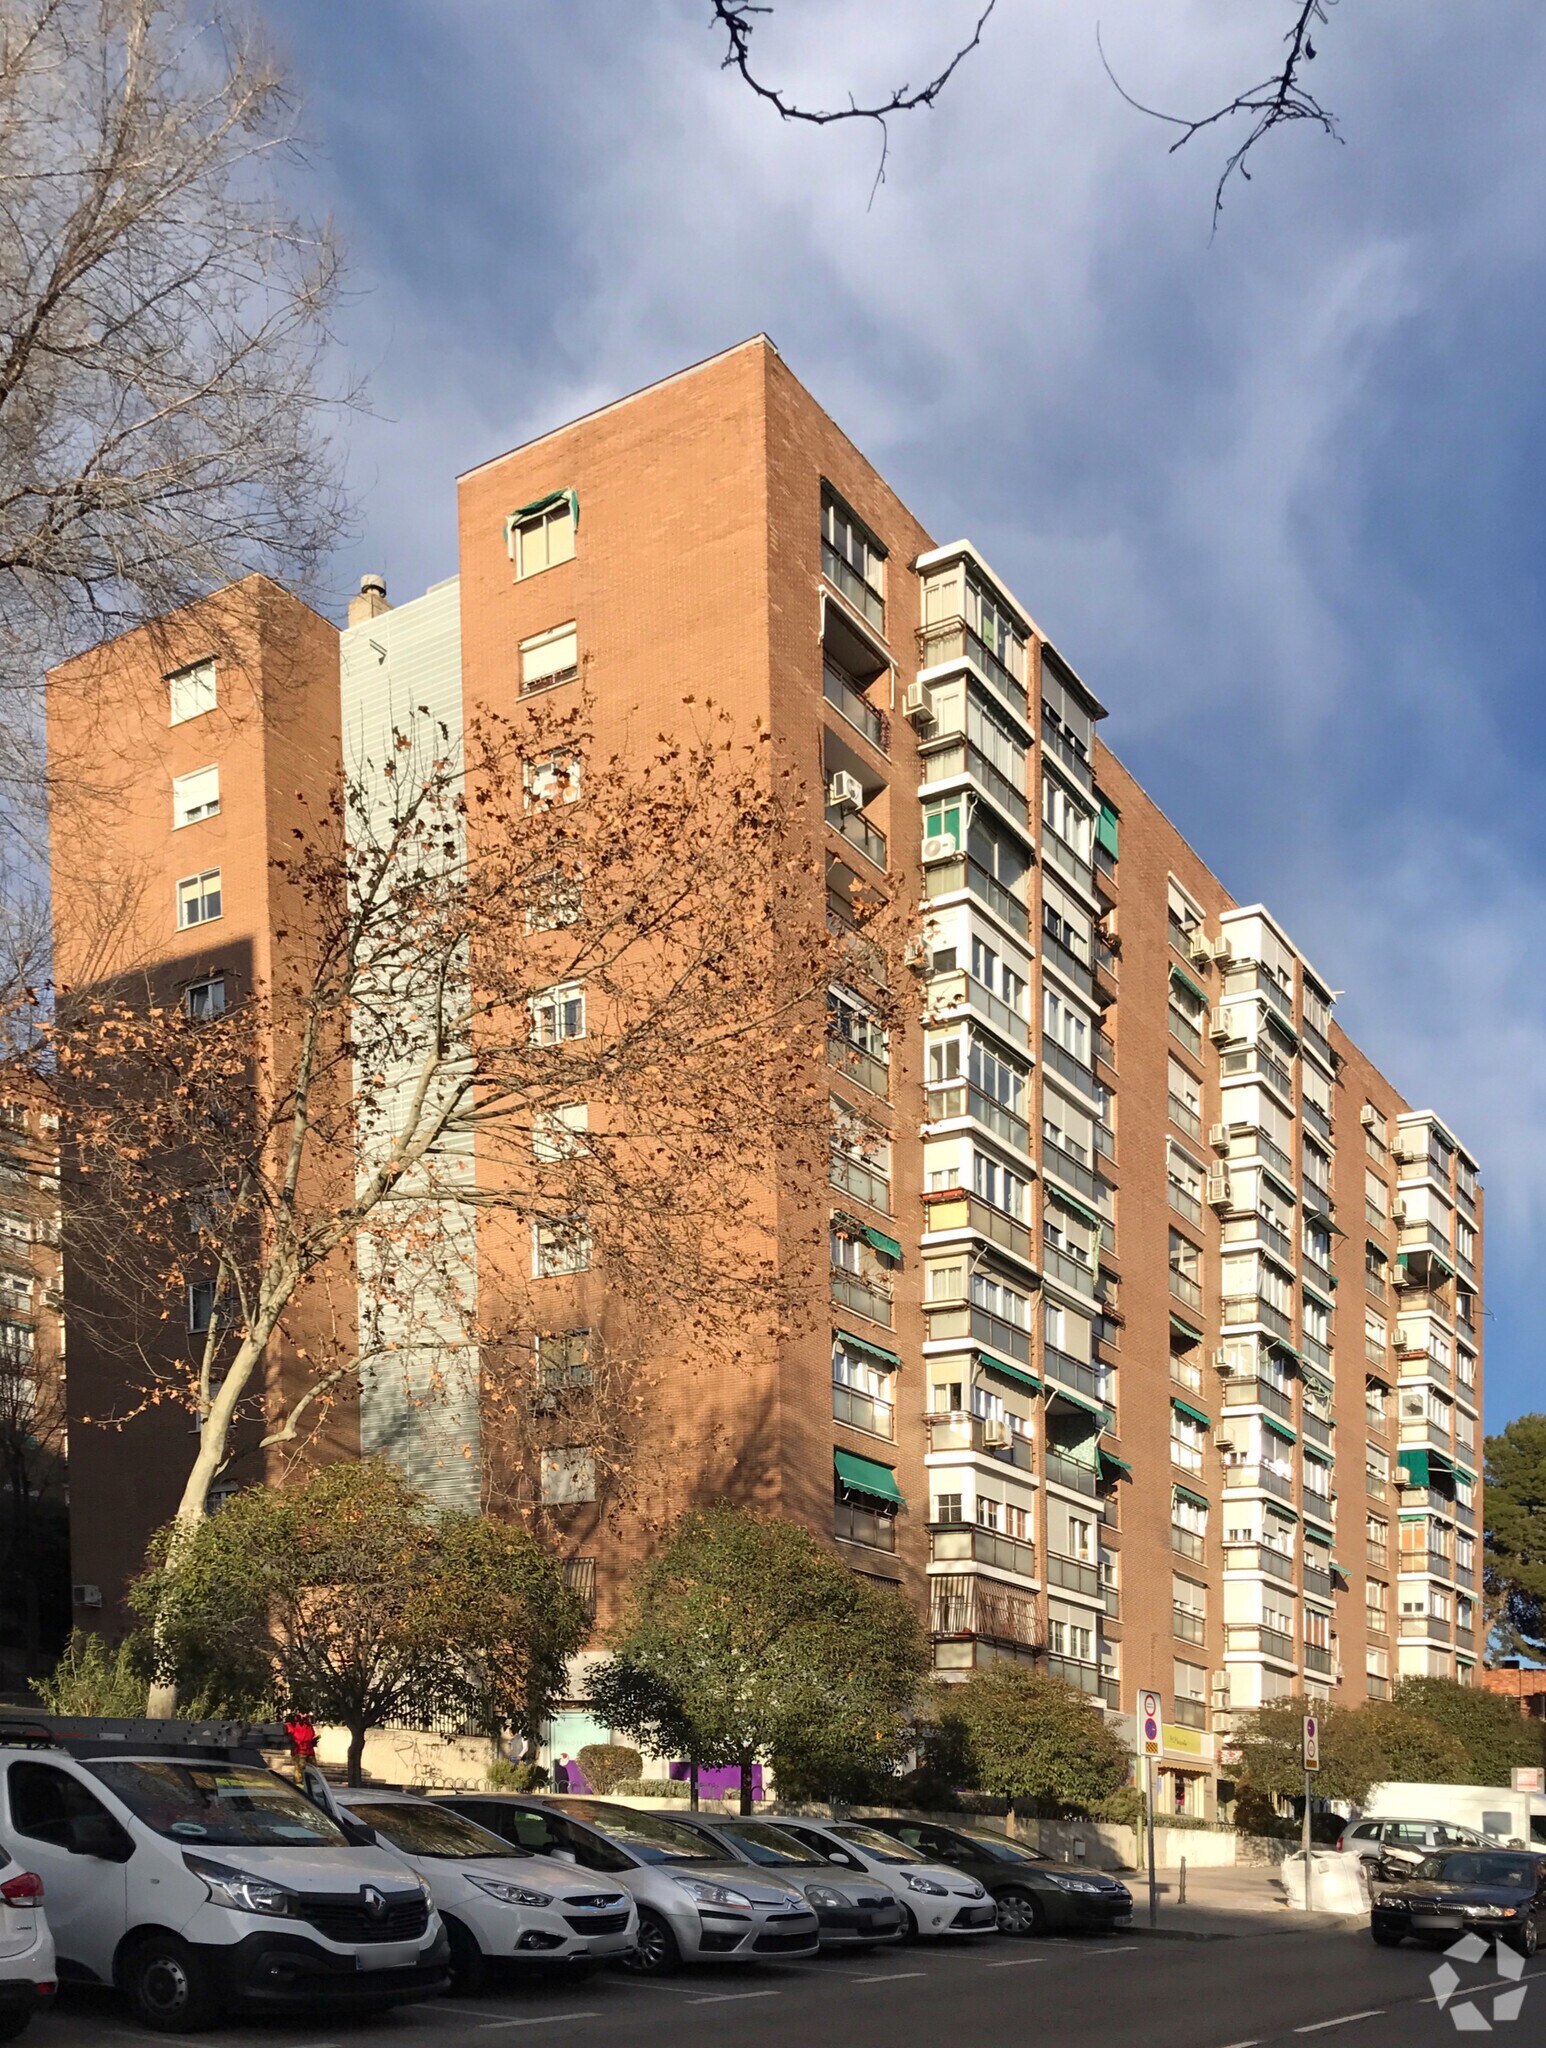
[
  {"x": 1312, "y": 1762},
  {"x": 1149, "y": 1722}
]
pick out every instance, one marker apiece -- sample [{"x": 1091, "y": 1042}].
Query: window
[
  {"x": 568, "y": 1476},
  {"x": 947, "y": 1508},
  {"x": 1376, "y": 1403},
  {"x": 205, "y": 999},
  {"x": 201, "y": 1306},
  {"x": 198, "y": 899},
  {"x": 1000, "y": 1187},
  {"x": 1189, "y": 1606},
  {"x": 542, "y": 535},
  {"x": 552, "y": 778},
  {"x": 1185, "y": 1099},
  {"x": 561, "y": 1245},
  {"x": 555, "y": 1132},
  {"x": 1182, "y": 915},
  {"x": 852, "y": 559},
  {"x": 46, "y": 1804},
  {"x": 1081, "y": 1539},
  {"x": 195, "y": 796},
  {"x": 997, "y": 976},
  {"x": 1375, "y": 1199},
  {"x": 192, "y": 692},
  {"x": 1066, "y": 1026},
  {"x": 1001, "y": 1300},
  {"x": 1186, "y": 1441},
  {"x": 549, "y": 658},
  {"x": 558, "y": 1014},
  {"x": 945, "y": 821},
  {"x": 1188, "y": 1013},
  {"x": 1376, "y": 1132},
  {"x": 564, "y": 1360},
  {"x": 1067, "y": 819},
  {"x": 556, "y": 900}
]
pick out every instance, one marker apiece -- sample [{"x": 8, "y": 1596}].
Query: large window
[
  {"x": 198, "y": 899},
  {"x": 205, "y": 999},
  {"x": 195, "y": 796},
  {"x": 192, "y": 692},
  {"x": 549, "y": 658},
  {"x": 561, "y": 1245},
  {"x": 852, "y": 559},
  {"x": 543, "y": 536},
  {"x": 557, "y": 1014}
]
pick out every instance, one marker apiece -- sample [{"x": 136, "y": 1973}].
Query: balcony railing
[
  {"x": 861, "y": 1067},
  {"x": 1377, "y": 1688},
  {"x": 1428, "y": 1625},
  {"x": 965, "y": 1098},
  {"x": 1188, "y": 1624},
  {"x": 1184, "y": 1032},
  {"x": 1073, "y": 1372},
  {"x": 1465, "y": 1638},
  {"x": 1064, "y": 857},
  {"x": 1189, "y": 1713},
  {"x": 1185, "y": 1288},
  {"x": 858, "y": 831},
  {"x": 1069, "y": 1472},
  {"x": 861, "y": 1297},
  {"x": 1315, "y": 1351},
  {"x": 1375, "y": 1484},
  {"x": 869, "y": 957},
  {"x": 1256, "y": 1060},
  {"x": 1265, "y": 1478},
  {"x": 1057, "y": 1160},
  {"x": 1077, "y": 1672},
  {"x": 863, "y": 1411},
  {"x": 1182, "y": 1117},
  {"x": 1318, "y": 1042},
  {"x": 1188, "y": 1456},
  {"x": 1253, "y": 1393},
  {"x": 1105, "y": 1048},
  {"x": 842, "y": 575},
  {"x": 1185, "y": 1542},
  {"x": 1105, "y": 1143},
  {"x": 863, "y": 1525},
  {"x": 1316, "y": 1117},
  {"x": 1378, "y": 1554},
  {"x": 1251, "y": 1308},
  {"x": 1376, "y": 1354},
  {"x": 948, "y": 877},
  {"x": 1258, "y": 1641},
  {"x": 1374, "y": 1284},
  {"x": 961, "y": 1604},
  {"x": 854, "y": 1178},
  {"x": 1257, "y": 1141},
  {"x": 947, "y": 991},
  {"x": 1058, "y": 741},
  {"x": 958, "y": 1432},
  {"x": 1071, "y": 1271},
  {"x": 1317, "y": 1580},
  {"x": 953, "y": 639},
  {"x": 1259, "y": 1557},
  {"x": 1061, "y": 1061},
  {"x": 1068, "y": 963},
  {"x": 966, "y": 759},
  {"x": 1072, "y": 1575},
  {"x": 858, "y": 710},
  {"x": 1316, "y": 1659},
  {"x": 1183, "y": 1201},
  {"x": 1316, "y": 1430},
  {"x": 966, "y": 1543},
  {"x": 970, "y": 1212}
]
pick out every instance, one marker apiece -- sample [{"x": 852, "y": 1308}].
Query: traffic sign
[
  {"x": 1150, "y": 1723},
  {"x": 1312, "y": 1743}
]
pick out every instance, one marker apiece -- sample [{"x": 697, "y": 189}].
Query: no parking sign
[{"x": 1150, "y": 1718}]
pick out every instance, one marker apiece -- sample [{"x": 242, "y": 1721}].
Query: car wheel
[
  {"x": 1020, "y": 1913},
  {"x": 909, "y": 1924},
  {"x": 655, "y": 1953},
  {"x": 11, "y": 2024},
  {"x": 1528, "y": 1939},
  {"x": 1388, "y": 1937},
  {"x": 167, "y": 1987},
  {"x": 469, "y": 1965}
]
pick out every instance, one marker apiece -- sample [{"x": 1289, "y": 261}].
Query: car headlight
[
  {"x": 1490, "y": 1912},
  {"x": 923, "y": 1884},
  {"x": 1072, "y": 1884},
  {"x": 720, "y": 1895},
  {"x": 827, "y": 1895},
  {"x": 510, "y": 1894},
  {"x": 240, "y": 1890}
]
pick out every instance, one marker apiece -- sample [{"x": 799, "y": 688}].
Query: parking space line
[
  {"x": 892, "y": 1977},
  {"x": 730, "y": 1997},
  {"x": 1128, "y": 1948},
  {"x": 546, "y": 2019},
  {"x": 1017, "y": 1963},
  {"x": 1343, "y": 2020}
]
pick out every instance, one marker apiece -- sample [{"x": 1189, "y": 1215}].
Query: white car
[
  {"x": 498, "y": 1907},
  {"x": 935, "y": 1899},
  {"x": 27, "y": 1978}
]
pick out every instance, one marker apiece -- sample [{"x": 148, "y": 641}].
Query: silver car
[
  {"x": 696, "y": 1903},
  {"x": 935, "y": 1899},
  {"x": 1402, "y": 1844},
  {"x": 853, "y": 1913}
]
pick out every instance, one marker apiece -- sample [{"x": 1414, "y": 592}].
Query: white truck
[
  {"x": 1514, "y": 1818},
  {"x": 180, "y": 1870}
]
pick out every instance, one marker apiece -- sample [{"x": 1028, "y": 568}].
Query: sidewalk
[{"x": 1223, "y": 1904}]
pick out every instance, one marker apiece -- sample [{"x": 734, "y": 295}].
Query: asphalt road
[{"x": 1303, "y": 1986}]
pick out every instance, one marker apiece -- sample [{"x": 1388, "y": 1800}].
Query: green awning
[
  {"x": 1096, "y": 1408},
  {"x": 1196, "y": 1414},
  {"x": 866, "y": 1476},
  {"x": 1318, "y": 1386},
  {"x": 1339, "y": 1569},
  {"x": 1280, "y": 1429},
  {"x": 1110, "y": 1461},
  {"x": 1183, "y": 1328},
  {"x": 1315, "y": 1294},
  {"x": 1281, "y": 1186},
  {"x": 1086, "y": 1215},
  {"x": 541, "y": 505},
  {"x": 1442, "y": 1461},
  {"x": 1016, "y": 1373},
  {"x": 881, "y": 1243},
  {"x": 879, "y": 1351},
  {"x": 1198, "y": 1500},
  {"x": 1106, "y": 828},
  {"x": 1186, "y": 981},
  {"x": 1468, "y": 1477},
  {"x": 1415, "y": 1465}
]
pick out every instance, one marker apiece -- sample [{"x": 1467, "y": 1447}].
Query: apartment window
[
  {"x": 1067, "y": 819},
  {"x": 860, "y": 1158},
  {"x": 1376, "y": 1469},
  {"x": 564, "y": 1360},
  {"x": 1081, "y": 1539},
  {"x": 205, "y": 999},
  {"x": 192, "y": 692},
  {"x": 1465, "y": 1241},
  {"x": 195, "y": 796},
  {"x": 1374, "y": 1264},
  {"x": 1376, "y": 1132},
  {"x": 1001, "y": 1300},
  {"x": 1182, "y": 915},
  {"x": 1185, "y": 1099},
  {"x": 548, "y": 659},
  {"x": 542, "y": 535},
  {"x": 1375, "y": 1199},
  {"x": 198, "y": 899},
  {"x": 1374, "y": 1603},
  {"x": 201, "y": 1306},
  {"x": 995, "y": 1075},
  {"x": 997, "y": 976},
  {"x": 858, "y": 1046},
  {"x": 1317, "y": 1320},
  {"x": 558, "y": 1014},
  {"x": 1317, "y": 1166},
  {"x": 852, "y": 559},
  {"x": 987, "y": 1511},
  {"x": 1376, "y": 1403},
  {"x": 552, "y": 778},
  {"x": 568, "y": 1476},
  {"x": 1189, "y": 1603},
  {"x": 1317, "y": 1477},
  {"x": 557, "y": 1133},
  {"x": 945, "y": 1282},
  {"x": 947, "y": 1509},
  {"x": 1066, "y": 1026},
  {"x": 945, "y": 821},
  {"x": 1184, "y": 1182},
  {"x": 1465, "y": 1552},
  {"x": 560, "y": 1245},
  {"x": 1188, "y": 1013},
  {"x": 1186, "y": 1440},
  {"x": 557, "y": 899},
  {"x": 1000, "y": 1186},
  {"x": 1185, "y": 1266}
]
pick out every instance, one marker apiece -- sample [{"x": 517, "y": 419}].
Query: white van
[
  {"x": 27, "y": 1979},
  {"x": 179, "y": 1869},
  {"x": 1516, "y": 1819}
]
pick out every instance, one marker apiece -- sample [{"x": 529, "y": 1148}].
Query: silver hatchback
[{"x": 696, "y": 1904}]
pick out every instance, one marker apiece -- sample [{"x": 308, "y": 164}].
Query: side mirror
[{"x": 98, "y": 1834}]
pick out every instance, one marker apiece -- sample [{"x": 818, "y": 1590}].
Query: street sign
[
  {"x": 1312, "y": 1743},
  {"x": 1529, "y": 1778},
  {"x": 1150, "y": 1718}
]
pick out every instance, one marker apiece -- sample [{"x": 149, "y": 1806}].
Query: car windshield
[
  {"x": 999, "y": 1847},
  {"x": 767, "y": 1845},
  {"x": 652, "y": 1839},
  {"x": 1470, "y": 1866},
  {"x": 226, "y": 1805},
  {"x": 428, "y": 1830},
  {"x": 875, "y": 1844}
]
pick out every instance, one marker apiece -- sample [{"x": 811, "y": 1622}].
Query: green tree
[
  {"x": 1514, "y": 1555},
  {"x": 1490, "y": 1728},
  {"x": 1030, "y": 1738},
  {"x": 1360, "y": 1747},
  {"x": 350, "y": 1597},
  {"x": 768, "y": 1646},
  {"x": 633, "y": 1700}
]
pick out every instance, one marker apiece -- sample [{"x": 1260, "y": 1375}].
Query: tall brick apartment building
[{"x": 1152, "y": 1347}]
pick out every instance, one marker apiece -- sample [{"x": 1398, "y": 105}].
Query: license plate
[
  {"x": 1123, "y": 1920},
  {"x": 387, "y": 1955}
]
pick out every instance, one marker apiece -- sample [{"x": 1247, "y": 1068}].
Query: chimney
[{"x": 371, "y": 602}]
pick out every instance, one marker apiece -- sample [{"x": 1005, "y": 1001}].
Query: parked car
[
  {"x": 180, "y": 1870},
  {"x": 27, "y": 1978},
  {"x": 1499, "y": 1892},
  {"x": 1032, "y": 1895},
  {"x": 1403, "y": 1844},
  {"x": 498, "y": 1908},
  {"x": 935, "y": 1899},
  {"x": 695, "y": 1901},
  {"x": 850, "y": 1914}
]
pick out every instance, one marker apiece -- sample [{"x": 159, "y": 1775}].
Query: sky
[{"x": 1273, "y": 489}]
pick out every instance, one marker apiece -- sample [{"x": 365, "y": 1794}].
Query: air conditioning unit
[
  {"x": 1369, "y": 1116},
  {"x": 1200, "y": 949},
  {"x": 1221, "y": 1361},
  {"x": 1402, "y": 1278},
  {"x": 997, "y": 1436},
  {"x": 1220, "y": 1692},
  {"x": 1218, "y": 1137},
  {"x": 845, "y": 792},
  {"x": 1221, "y": 1031},
  {"x": 86, "y": 1596},
  {"x": 940, "y": 847},
  {"x": 915, "y": 956},
  {"x": 916, "y": 706},
  {"x": 1218, "y": 1188},
  {"x": 1398, "y": 1211},
  {"x": 1223, "y": 952}
]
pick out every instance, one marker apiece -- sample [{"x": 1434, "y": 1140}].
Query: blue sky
[{"x": 1274, "y": 492}]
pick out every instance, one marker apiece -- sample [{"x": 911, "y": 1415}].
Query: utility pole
[
  {"x": 1148, "y": 1723},
  {"x": 1312, "y": 1762}
]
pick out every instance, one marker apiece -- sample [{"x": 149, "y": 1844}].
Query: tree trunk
[
  {"x": 356, "y": 1759},
  {"x": 746, "y": 1781},
  {"x": 692, "y": 1784}
]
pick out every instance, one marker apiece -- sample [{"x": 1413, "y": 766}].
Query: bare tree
[
  {"x": 164, "y": 424},
  {"x": 563, "y": 1013}
]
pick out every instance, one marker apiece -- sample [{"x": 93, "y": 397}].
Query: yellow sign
[{"x": 1184, "y": 1742}]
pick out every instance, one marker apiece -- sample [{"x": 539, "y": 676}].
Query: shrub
[
  {"x": 608, "y": 1764},
  {"x": 652, "y": 1788},
  {"x": 504, "y": 1776},
  {"x": 94, "y": 1677}
]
